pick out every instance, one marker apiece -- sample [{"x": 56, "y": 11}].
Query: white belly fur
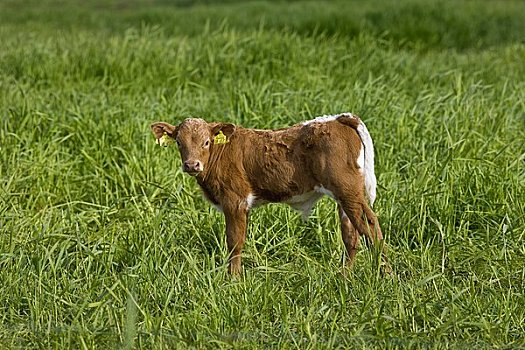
[{"x": 304, "y": 202}]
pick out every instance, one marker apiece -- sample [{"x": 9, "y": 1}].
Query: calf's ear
[
  {"x": 226, "y": 128},
  {"x": 159, "y": 128}
]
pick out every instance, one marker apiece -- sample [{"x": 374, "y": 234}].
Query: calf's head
[{"x": 195, "y": 139}]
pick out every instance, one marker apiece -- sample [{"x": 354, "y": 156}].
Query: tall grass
[
  {"x": 105, "y": 243},
  {"x": 462, "y": 24}
]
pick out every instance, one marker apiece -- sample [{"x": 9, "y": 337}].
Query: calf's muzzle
[{"x": 192, "y": 167}]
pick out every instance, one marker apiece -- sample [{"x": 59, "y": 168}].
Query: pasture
[{"x": 105, "y": 243}]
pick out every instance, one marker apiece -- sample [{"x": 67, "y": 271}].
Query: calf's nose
[{"x": 192, "y": 166}]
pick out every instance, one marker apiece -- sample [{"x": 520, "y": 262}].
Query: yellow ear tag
[
  {"x": 220, "y": 138},
  {"x": 164, "y": 141}
]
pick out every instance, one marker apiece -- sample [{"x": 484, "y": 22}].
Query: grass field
[{"x": 104, "y": 243}]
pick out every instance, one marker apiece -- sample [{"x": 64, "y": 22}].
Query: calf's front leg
[{"x": 236, "y": 216}]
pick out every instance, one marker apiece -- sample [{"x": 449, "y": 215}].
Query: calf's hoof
[
  {"x": 235, "y": 269},
  {"x": 386, "y": 269}
]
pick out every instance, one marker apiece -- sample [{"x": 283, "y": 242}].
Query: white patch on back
[
  {"x": 365, "y": 159},
  {"x": 366, "y": 162},
  {"x": 327, "y": 118},
  {"x": 361, "y": 160}
]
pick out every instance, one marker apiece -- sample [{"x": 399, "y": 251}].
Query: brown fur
[{"x": 275, "y": 166}]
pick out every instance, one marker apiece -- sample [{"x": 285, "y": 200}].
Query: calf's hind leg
[
  {"x": 350, "y": 236},
  {"x": 363, "y": 219}
]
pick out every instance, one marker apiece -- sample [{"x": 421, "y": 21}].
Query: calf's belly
[{"x": 304, "y": 202}]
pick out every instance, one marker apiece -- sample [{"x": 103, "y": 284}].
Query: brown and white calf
[{"x": 239, "y": 168}]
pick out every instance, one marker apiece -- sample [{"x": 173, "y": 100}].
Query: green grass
[{"x": 104, "y": 243}]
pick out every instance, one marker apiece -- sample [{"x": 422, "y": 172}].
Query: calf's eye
[{"x": 207, "y": 143}]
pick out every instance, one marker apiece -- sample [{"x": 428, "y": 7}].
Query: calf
[{"x": 238, "y": 169}]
